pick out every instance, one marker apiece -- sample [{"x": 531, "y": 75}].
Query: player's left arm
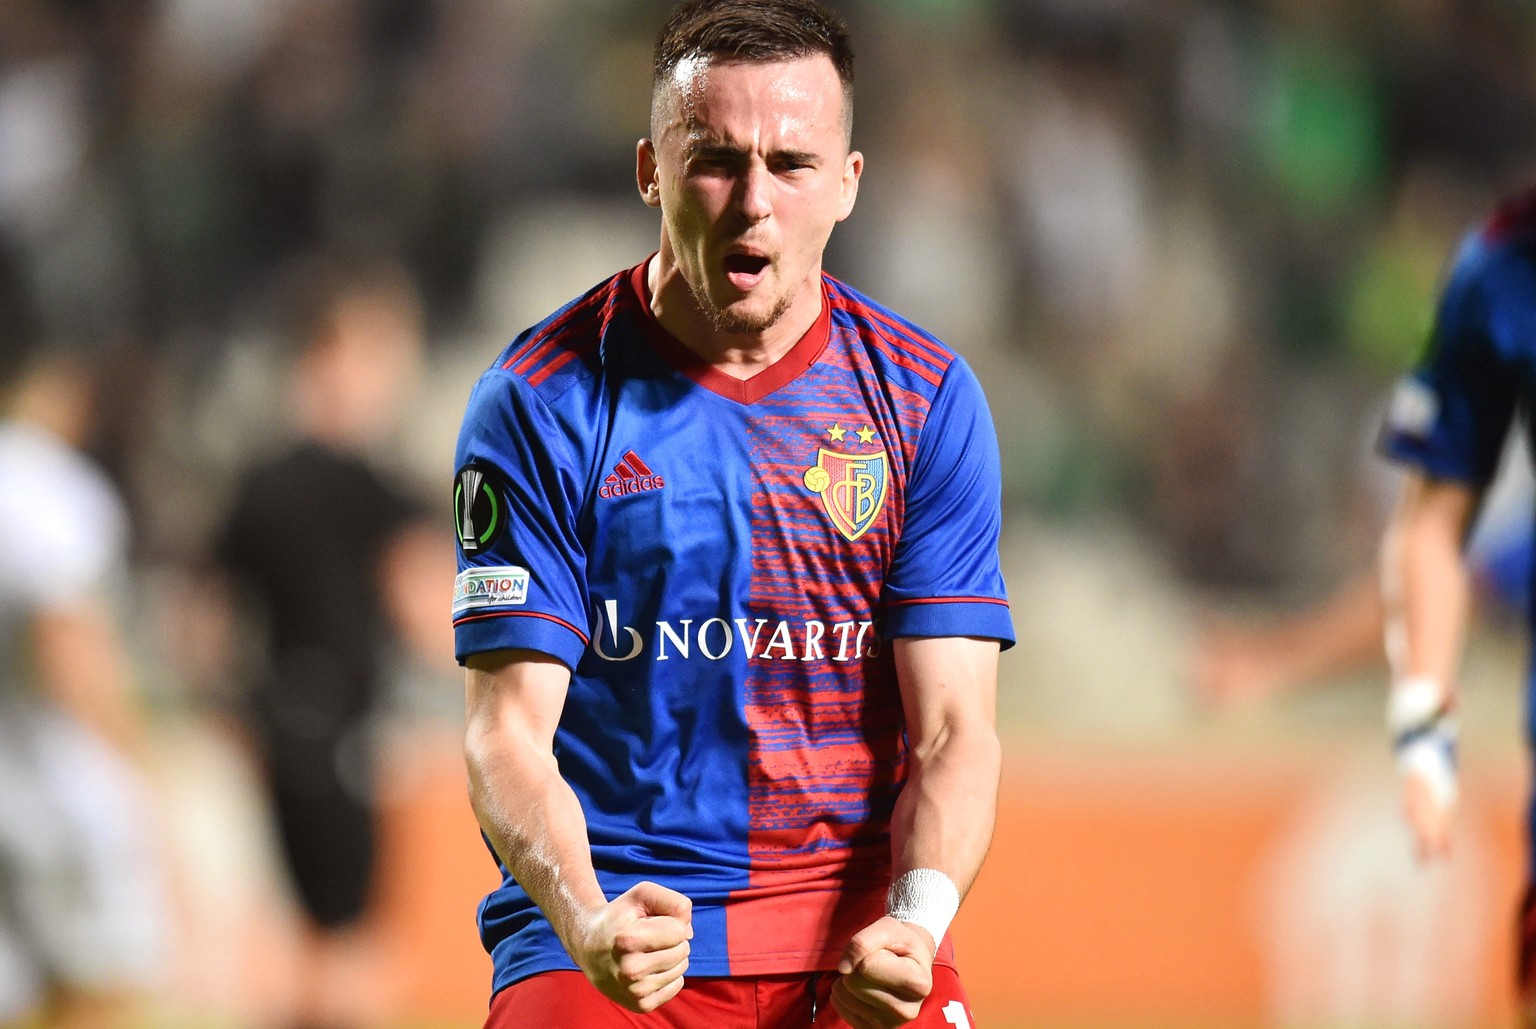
[
  {"x": 944, "y": 816},
  {"x": 946, "y": 613},
  {"x": 941, "y": 827}
]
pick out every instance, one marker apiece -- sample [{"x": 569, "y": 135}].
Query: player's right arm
[
  {"x": 1426, "y": 590},
  {"x": 633, "y": 949},
  {"x": 1447, "y": 424}
]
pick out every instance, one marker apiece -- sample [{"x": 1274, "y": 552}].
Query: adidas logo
[{"x": 629, "y": 476}]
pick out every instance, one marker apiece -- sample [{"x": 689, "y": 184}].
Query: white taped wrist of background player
[
  {"x": 1424, "y": 734},
  {"x": 925, "y": 897}
]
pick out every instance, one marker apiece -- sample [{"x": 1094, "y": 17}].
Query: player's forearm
[
  {"x": 1342, "y": 635},
  {"x": 1426, "y": 591},
  {"x": 83, "y": 668},
  {"x": 946, "y": 812},
  {"x": 536, "y": 825}
]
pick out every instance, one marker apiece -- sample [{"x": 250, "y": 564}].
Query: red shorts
[{"x": 565, "y": 1000}]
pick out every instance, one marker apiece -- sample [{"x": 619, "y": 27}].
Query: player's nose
[{"x": 754, "y": 193}]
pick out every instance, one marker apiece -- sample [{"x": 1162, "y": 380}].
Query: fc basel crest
[
  {"x": 852, "y": 488},
  {"x": 479, "y": 507}
]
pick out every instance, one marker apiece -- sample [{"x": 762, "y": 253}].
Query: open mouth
[{"x": 744, "y": 270}]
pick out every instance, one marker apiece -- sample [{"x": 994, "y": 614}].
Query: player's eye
[{"x": 714, "y": 163}]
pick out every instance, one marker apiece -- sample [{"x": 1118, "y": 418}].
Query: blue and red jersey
[
  {"x": 722, "y": 564},
  {"x": 1451, "y": 416}
]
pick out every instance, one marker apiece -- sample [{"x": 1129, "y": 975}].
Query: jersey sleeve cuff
[
  {"x": 1432, "y": 461},
  {"x": 950, "y": 616},
  {"x": 477, "y": 632}
]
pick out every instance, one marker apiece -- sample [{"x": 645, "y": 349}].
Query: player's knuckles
[
  {"x": 639, "y": 964},
  {"x": 665, "y": 930},
  {"x": 889, "y": 1008},
  {"x": 677, "y": 971},
  {"x": 651, "y": 1001},
  {"x": 664, "y": 984},
  {"x": 673, "y": 956},
  {"x": 855, "y": 1009},
  {"x": 627, "y": 941},
  {"x": 902, "y": 977},
  {"x": 860, "y": 948},
  {"x": 647, "y": 939},
  {"x": 659, "y": 900},
  {"x": 905, "y": 1010},
  {"x": 633, "y": 967},
  {"x": 646, "y": 934}
]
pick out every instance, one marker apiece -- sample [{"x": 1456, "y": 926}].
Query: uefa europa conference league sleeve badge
[{"x": 479, "y": 507}]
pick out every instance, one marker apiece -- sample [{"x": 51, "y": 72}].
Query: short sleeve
[
  {"x": 1450, "y": 416},
  {"x": 63, "y": 532},
  {"x": 945, "y": 577},
  {"x": 516, "y": 497}
]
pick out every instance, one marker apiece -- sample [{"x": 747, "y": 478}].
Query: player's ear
[
  {"x": 853, "y": 168},
  {"x": 647, "y": 176}
]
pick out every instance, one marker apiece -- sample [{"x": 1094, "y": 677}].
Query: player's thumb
[{"x": 655, "y": 899}]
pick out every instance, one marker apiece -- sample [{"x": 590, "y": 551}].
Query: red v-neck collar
[{"x": 744, "y": 391}]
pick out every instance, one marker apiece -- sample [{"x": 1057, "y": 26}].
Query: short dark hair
[{"x": 754, "y": 30}]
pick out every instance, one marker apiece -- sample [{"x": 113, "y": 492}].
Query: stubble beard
[{"x": 739, "y": 322}]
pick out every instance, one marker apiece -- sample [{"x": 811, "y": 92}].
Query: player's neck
[
  {"x": 53, "y": 405},
  {"x": 740, "y": 355}
]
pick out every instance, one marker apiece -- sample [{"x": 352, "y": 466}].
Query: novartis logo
[{"x": 716, "y": 638}]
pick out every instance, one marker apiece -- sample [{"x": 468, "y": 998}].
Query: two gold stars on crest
[{"x": 837, "y": 432}]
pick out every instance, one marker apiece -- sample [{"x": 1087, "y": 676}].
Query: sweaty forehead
[{"x": 720, "y": 98}]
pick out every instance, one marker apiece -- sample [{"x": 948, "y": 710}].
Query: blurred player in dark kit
[
  {"x": 320, "y": 544},
  {"x": 729, "y": 593},
  {"x": 1448, "y": 423}
]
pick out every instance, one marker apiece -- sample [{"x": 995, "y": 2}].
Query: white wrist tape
[
  {"x": 1414, "y": 703},
  {"x": 1424, "y": 734},
  {"x": 1431, "y": 755},
  {"x": 926, "y": 897}
]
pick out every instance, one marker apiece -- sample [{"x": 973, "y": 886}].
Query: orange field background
[{"x": 1123, "y": 889}]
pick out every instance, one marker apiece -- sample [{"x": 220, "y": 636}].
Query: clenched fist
[
  {"x": 635, "y": 948},
  {"x": 886, "y": 973}
]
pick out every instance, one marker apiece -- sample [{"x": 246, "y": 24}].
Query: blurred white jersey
[
  {"x": 63, "y": 535},
  {"x": 81, "y": 899}
]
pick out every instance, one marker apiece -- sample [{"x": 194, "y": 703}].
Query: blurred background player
[
  {"x": 1448, "y": 422},
  {"x": 333, "y": 559},
  {"x": 1239, "y": 660},
  {"x": 82, "y": 904}
]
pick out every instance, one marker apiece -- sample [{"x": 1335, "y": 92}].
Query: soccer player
[
  {"x": 1448, "y": 422},
  {"x": 1341, "y": 634},
  {"x": 82, "y": 898},
  {"x": 312, "y": 541},
  {"x": 729, "y": 596}
]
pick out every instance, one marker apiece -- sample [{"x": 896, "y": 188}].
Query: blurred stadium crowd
[
  {"x": 1195, "y": 236},
  {"x": 1188, "y": 244}
]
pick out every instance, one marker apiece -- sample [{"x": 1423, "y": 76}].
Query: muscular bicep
[
  {"x": 948, "y": 684},
  {"x": 517, "y": 692}
]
